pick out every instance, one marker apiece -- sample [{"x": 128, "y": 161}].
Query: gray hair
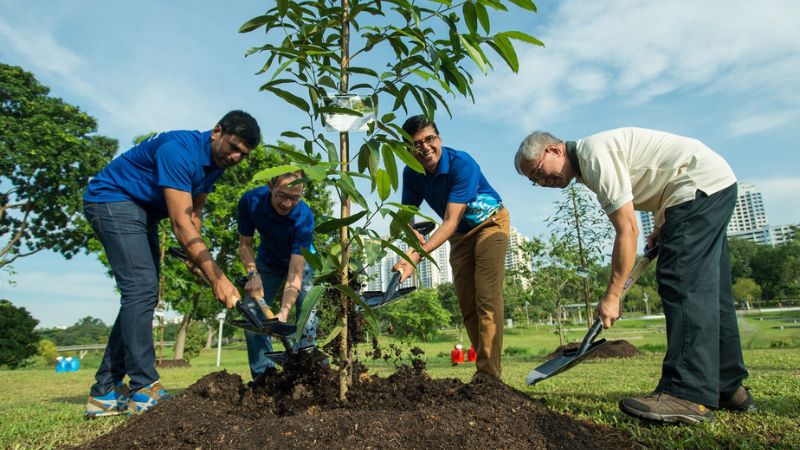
[{"x": 532, "y": 148}]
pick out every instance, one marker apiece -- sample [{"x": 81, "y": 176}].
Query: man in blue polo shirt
[
  {"x": 168, "y": 175},
  {"x": 477, "y": 226},
  {"x": 285, "y": 224}
]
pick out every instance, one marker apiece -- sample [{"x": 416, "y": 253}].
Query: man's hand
[
  {"x": 254, "y": 288},
  {"x": 226, "y": 293},
  {"x": 653, "y": 237},
  {"x": 405, "y": 268},
  {"x": 607, "y": 310},
  {"x": 283, "y": 315}
]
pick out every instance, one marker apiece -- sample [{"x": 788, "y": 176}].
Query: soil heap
[
  {"x": 619, "y": 348},
  {"x": 299, "y": 408}
]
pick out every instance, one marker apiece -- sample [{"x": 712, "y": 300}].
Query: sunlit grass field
[{"x": 42, "y": 409}]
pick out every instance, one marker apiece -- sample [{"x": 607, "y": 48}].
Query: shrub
[
  {"x": 515, "y": 351},
  {"x": 47, "y": 351}
]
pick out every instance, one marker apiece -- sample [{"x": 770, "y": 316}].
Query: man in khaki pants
[{"x": 477, "y": 225}]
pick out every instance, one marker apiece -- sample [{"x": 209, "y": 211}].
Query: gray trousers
[{"x": 704, "y": 355}]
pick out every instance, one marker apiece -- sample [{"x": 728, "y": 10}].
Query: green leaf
[
  {"x": 289, "y": 97},
  {"x": 268, "y": 174},
  {"x": 474, "y": 54},
  {"x": 525, "y": 4},
  {"x": 255, "y": 23},
  {"x": 524, "y": 37},
  {"x": 469, "y": 16},
  {"x": 310, "y": 301},
  {"x": 502, "y": 45},
  {"x": 297, "y": 156},
  {"x": 383, "y": 183},
  {"x": 483, "y": 16},
  {"x": 405, "y": 155},
  {"x": 334, "y": 224},
  {"x": 292, "y": 134},
  {"x": 312, "y": 259},
  {"x": 317, "y": 172},
  {"x": 336, "y": 331},
  {"x": 390, "y": 164}
]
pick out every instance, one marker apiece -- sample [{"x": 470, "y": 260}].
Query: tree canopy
[
  {"x": 48, "y": 151},
  {"x": 18, "y": 342}
]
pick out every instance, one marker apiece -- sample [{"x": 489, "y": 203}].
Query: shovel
[
  {"x": 571, "y": 357},
  {"x": 271, "y": 326}
]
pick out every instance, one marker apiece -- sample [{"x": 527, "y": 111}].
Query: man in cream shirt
[{"x": 692, "y": 192}]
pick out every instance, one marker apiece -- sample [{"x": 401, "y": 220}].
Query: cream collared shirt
[{"x": 653, "y": 169}]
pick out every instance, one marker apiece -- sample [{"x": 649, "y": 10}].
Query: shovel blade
[
  {"x": 272, "y": 327},
  {"x": 561, "y": 363}
]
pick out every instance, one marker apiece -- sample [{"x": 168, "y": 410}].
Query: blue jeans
[
  {"x": 259, "y": 345},
  {"x": 130, "y": 238}
]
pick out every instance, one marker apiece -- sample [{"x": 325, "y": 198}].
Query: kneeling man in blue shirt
[{"x": 285, "y": 224}]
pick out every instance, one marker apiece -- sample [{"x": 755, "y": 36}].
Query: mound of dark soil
[
  {"x": 172, "y": 363},
  {"x": 289, "y": 409},
  {"x": 619, "y": 348}
]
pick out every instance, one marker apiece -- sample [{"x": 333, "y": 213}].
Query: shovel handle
[{"x": 594, "y": 331}]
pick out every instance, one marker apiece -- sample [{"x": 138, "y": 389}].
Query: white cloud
[
  {"x": 631, "y": 51},
  {"x": 128, "y": 102},
  {"x": 762, "y": 122}
]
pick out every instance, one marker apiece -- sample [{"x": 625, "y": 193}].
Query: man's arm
[
  {"x": 452, "y": 217},
  {"x": 186, "y": 227},
  {"x": 254, "y": 288},
  {"x": 623, "y": 256},
  {"x": 291, "y": 289}
]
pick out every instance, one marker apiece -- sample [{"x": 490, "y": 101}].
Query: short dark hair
[
  {"x": 413, "y": 124},
  {"x": 242, "y": 125}
]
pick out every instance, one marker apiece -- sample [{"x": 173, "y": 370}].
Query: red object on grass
[
  {"x": 457, "y": 355},
  {"x": 471, "y": 354}
]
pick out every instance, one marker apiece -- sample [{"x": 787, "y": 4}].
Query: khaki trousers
[{"x": 478, "y": 261}]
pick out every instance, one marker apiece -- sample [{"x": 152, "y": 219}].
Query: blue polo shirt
[
  {"x": 179, "y": 160},
  {"x": 458, "y": 179},
  {"x": 281, "y": 236}
]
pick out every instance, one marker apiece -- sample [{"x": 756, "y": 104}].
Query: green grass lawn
[{"x": 42, "y": 409}]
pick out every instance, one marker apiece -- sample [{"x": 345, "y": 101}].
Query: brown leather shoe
[
  {"x": 740, "y": 401},
  {"x": 662, "y": 407}
]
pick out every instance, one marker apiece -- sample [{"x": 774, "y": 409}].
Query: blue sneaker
[
  {"x": 113, "y": 403},
  {"x": 147, "y": 397}
]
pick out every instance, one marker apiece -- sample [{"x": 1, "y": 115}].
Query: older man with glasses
[
  {"x": 692, "y": 192},
  {"x": 477, "y": 226},
  {"x": 285, "y": 224}
]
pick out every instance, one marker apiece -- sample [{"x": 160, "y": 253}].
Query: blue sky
[{"x": 725, "y": 72}]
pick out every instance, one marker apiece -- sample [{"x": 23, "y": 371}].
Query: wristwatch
[{"x": 251, "y": 275}]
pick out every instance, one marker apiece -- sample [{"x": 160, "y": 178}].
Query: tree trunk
[
  {"x": 210, "y": 332},
  {"x": 180, "y": 338},
  {"x": 585, "y": 275},
  {"x": 345, "y": 377}
]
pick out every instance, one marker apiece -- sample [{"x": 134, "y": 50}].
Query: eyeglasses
[
  {"x": 537, "y": 172},
  {"x": 282, "y": 197},
  {"x": 428, "y": 140}
]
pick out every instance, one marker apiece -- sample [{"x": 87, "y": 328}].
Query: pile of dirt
[
  {"x": 172, "y": 363},
  {"x": 292, "y": 409},
  {"x": 619, "y": 348}
]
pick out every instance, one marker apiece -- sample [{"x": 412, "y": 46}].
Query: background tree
[
  {"x": 449, "y": 301},
  {"x": 585, "y": 232},
  {"x": 405, "y": 51},
  {"x": 18, "y": 342},
  {"x": 419, "y": 316},
  {"x": 746, "y": 290},
  {"x": 48, "y": 151},
  {"x": 88, "y": 330},
  {"x": 46, "y": 349}
]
